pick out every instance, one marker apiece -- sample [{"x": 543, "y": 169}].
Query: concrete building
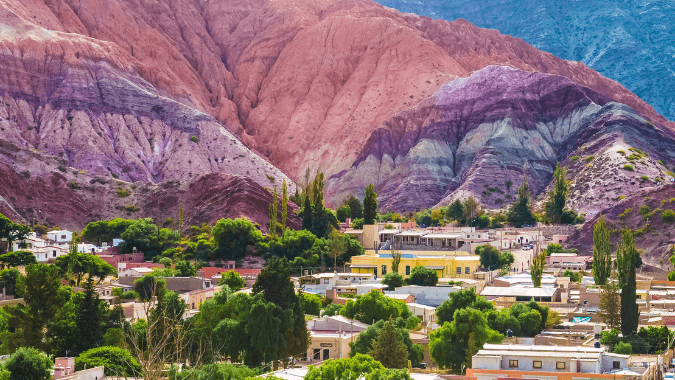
[
  {"x": 60, "y": 236},
  {"x": 524, "y": 279},
  {"x": 426, "y": 295},
  {"x": 343, "y": 282},
  {"x": 330, "y": 337},
  {"x": 521, "y": 293},
  {"x": 447, "y": 264},
  {"x": 29, "y": 243},
  {"x": 175, "y": 284},
  {"x": 64, "y": 369},
  {"x": 496, "y": 361},
  {"x": 114, "y": 256}
]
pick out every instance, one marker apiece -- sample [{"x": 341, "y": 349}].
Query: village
[{"x": 572, "y": 341}]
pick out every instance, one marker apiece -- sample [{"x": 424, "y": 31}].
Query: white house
[
  {"x": 47, "y": 253},
  {"x": 499, "y": 360},
  {"x": 29, "y": 243},
  {"x": 63, "y": 236},
  {"x": 345, "y": 282},
  {"x": 135, "y": 272}
]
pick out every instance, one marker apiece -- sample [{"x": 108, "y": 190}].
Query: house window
[
  {"x": 326, "y": 281},
  {"x": 63, "y": 237},
  {"x": 459, "y": 270},
  {"x": 616, "y": 365},
  {"x": 513, "y": 363},
  {"x": 559, "y": 365},
  {"x": 384, "y": 270},
  {"x": 53, "y": 253},
  {"x": 407, "y": 270},
  {"x": 467, "y": 270},
  {"x": 536, "y": 364}
]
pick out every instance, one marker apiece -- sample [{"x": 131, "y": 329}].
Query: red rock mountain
[{"x": 151, "y": 90}]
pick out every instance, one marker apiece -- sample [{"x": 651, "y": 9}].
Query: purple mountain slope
[{"x": 475, "y": 135}]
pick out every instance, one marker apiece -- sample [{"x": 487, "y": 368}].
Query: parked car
[{"x": 527, "y": 247}]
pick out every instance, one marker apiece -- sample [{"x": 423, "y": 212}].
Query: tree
[
  {"x": 556, "y": 203},
  {"x": 374, "y": 306},
  {"x": 233, "y": 280},
  {"x": 311, "y": 304},
  {"x": 234, "y": 237},
  {"x": 602, "y": 256},
  {"x": 573, "y": 276},
  {"x": 12, "y": 231},
  {"x": 28, "y": 363},
  {"x": 393, "y": 280},
  {"x": 142, "y": 235},
  {"x": 284, "y": 206},
  {"x": 489, "y": 257},
  {"x": 364, "y": 342},
  {"x": 520, "y": 212},
  {"x": 483, "y": 221},
  {"x": 388, "y": 347},
  {"x": 395, "y": 257},
  {"x": 357, "y": 367},
  {"x": 18, "y": 258},
  {"x": 8, "y": 280},
  {"x": 626, "y": 254},
  {"x": 185, "y": 269},
  {"x": 448, "y": 345},
  {"x": 149, "y": 286},
  {"x": 332, "y": 309},
  {"x": 273, "y": 213},
  {"x": 180, "y": 221},
  {"x": 506, "y": 258},
  {"x": 307, "y": 215},
  {"x": 42, "y": 301},
  {"x": 336, "y": 245},
  {"x": 166, "y": 262},
  {"x": 370, "y": 205},
  {"x": 456, "y": 210},
  {"x": 79, "y": 264},
  {"x": 471, "y": 209},
  {"x": 537, "y": 270},
  {"x": 610, "y": 305},
  {"x": 343, "y": 212},
  {"x": 355, "y": 207},
  {"x": 623, "y": 348},
  {"x": 89, "y": 319},
  {"x": 117, "y": 361},
  {"x": 105, "y": 230},
  {"x": 274, "y": 283},
  {"x": 214, "y": 371},
  {"x": 461, "y": 300},
  {"x": 422, "y": 276}
]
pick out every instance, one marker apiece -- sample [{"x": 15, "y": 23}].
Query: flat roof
[
  {"x": 517, "y": 291},
  {"x": 443, "y": 236},
  {"x": 389, "y": 232},
  {"x": 413, "y": 233},
  {"x": 468, "y": 258}
]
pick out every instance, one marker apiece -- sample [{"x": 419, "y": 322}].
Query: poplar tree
[
  {"x": 537, "y": 270},
  {"x": 556, "y": 203},
  {"x": 370, "y": 205},
  {"x": 602, "y": 257},
  {"x": 610, "y": 305},
  {"x": 89, "y": 319},
  {"x": 626, "y": 257},
  {"x": 307, "y": 215},
  {"x": 388, "y": 348},
  {"x": 180, "y": 221},
  {"x": 284, "y": 206},
  {"x": 273, "y": 213}
]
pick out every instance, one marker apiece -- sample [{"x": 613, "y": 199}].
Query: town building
[
  {"x": 60, "y": 236},
  {"x": 447, "y": 264},
  {"x": 520, "y": 293},
  {"x": 114, "y": 256},
  {"x": 345, "y": 283},
  {"x": 497, "y": 361},
  {"x": 432, "y": 296},
  {"x": 330, "y": 337}
]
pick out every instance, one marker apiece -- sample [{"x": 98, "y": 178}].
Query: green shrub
[
  {"x": 116, "y": 361},
  {"x": 621, "y": 152},
  {"x": 574, "y": 158},
  {"x": 589, "y": 158},
  {"x": 625, "y": 212},
  {"x": 644, "y": 178},
  {"x": 668, "y": 216},
  {"x": 74, "y": 185},
  {"x": 194, "y": 139},
  {"x": 622, "y": 197},
  {"x": 628, "y": 167},
  {"x": 62, "y": 168},
  {"x": 663, "y": 163},
  {"x": 644, "y": 210},
  {"x": 122, "y": 193},
  {"x": 131, "y": 208}
]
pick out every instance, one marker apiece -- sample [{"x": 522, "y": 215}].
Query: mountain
[
  {"x": 628, "y": 41},
  {"x": 147, "y": 93},
  {"x": 474, "y": 136}
]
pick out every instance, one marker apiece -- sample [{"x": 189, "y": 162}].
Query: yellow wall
[{"x": 449, "y": 265}]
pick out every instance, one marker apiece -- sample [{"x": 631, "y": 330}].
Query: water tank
[
  {"x": 597, "y": 345},
  {"x": 509, "y": 333}
]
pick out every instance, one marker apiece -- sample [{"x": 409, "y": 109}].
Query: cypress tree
[
  {"x": 273, "y": 213},
  {"x": 537, "y": 269},
  {"x": 626, "y": 257},
  {"x": 388, "y": 348},
  {"x": 602, "y": 258},
  {"x": 89, "y": 319},
  {"x": 307, "y": 215},
  {"x": 284, "y": 206},
  {"x": 370, "y": 205},
  {"x": 556, "y": 203}
]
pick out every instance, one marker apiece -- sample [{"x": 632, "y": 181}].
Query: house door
[
  {"x": 326, "y": 354},
  {"x": 317, "y": 354}
]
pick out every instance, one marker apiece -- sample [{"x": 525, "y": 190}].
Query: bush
[
  {"x": 422, "y": 276},
  {"x": 122, "y": 193},
  {"x": 194, "y": 139},
  {"x": 628, "y": 167},
  {"x": 29, "y": 363},
  {"x": 623, "y": 348},
  {"x": 117, "y": 361},
  {"x": 574, "y": 276},
  {"x": 668, "y": 216},
  {"x": 589, "y": 158},
  {"x": 332, "y": 309},
  {"x": 393, "y": 280},
  {"x": 574, "y": 158}
]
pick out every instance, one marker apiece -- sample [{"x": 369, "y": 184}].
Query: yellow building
[{"x": 448, "y": 264}]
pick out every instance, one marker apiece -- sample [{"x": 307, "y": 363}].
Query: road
[{"x": 523, "y": 259}]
